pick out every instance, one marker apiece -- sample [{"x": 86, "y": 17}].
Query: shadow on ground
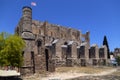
[{"x": 10, "y": 78}]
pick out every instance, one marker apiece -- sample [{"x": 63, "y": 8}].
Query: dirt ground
[{"x": 79, "y": 73}]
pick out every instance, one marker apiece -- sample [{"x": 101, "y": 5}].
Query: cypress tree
[{"x": 105, "y": 42}]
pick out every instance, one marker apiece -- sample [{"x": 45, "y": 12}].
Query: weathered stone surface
[
  {"x": 28, "y": 35},
  {"x": 49, "y": 45}
]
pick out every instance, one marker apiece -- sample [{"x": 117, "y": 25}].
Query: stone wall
[
  {"x": 94, "y": 55},
  {"x": 103, "y": 55},
  {"x": 49, "y": 45}
]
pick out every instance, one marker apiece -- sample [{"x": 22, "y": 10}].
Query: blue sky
[{"x": 100, "y": 17}]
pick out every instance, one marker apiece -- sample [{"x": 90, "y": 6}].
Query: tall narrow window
[
  {"x": 39, "y": 43},
  {"x": 47, "y": 58},
  {"x": 92, "y": 52},
  {"x": 33, "y": 61},
  {"x": 82, "y": 52},
  {"x": 101, "y": 53}
]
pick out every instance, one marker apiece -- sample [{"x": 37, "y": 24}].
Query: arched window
[{"x": 39, "y": 44}]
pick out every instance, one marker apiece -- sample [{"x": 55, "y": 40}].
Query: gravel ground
[
  {"x": 105, "y": 75},
  {"x": 112, "y": 76}
]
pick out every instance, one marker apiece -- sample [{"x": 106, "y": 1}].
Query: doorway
[{"x": 47, "y": 58}]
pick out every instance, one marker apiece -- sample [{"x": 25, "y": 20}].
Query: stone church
[{"x": 49, "y": 46}]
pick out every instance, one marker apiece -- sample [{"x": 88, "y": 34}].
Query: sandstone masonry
[{"x": 49, "y": 46}]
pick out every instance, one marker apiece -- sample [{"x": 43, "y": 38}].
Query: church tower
[
  {"x": 26, "y": 27},
  {"x": 29, "y": 38},
  {"x": 27, "y": 19}
]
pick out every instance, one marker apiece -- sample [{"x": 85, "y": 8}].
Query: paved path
[{"x": 4, "y": 73}]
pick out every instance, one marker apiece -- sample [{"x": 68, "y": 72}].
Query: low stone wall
[{"x": 60, "y": 63}]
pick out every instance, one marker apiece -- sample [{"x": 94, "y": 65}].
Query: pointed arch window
[{"x": 39, "y": 43}]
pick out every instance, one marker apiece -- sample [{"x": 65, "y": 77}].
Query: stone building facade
[
  {"x": 116, "y": 52},
  {"x": 49, "y": 46}
]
